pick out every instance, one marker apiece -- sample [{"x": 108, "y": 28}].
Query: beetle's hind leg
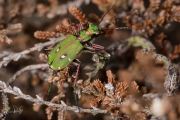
[
  {"x": 51, "y": 84},
  {"x": 77, "y": 63}
]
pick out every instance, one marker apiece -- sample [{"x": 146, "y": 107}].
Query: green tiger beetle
[{"x": 67, "y": 50}]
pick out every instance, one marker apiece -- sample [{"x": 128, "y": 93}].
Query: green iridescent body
[{"x": 67, "y": 50}]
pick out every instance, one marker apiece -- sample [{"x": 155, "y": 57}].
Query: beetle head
[{"x": 93, "y": 28}]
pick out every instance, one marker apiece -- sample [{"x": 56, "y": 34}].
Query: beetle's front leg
[
  {"x": 93, "y": 48},
  {"x": 89, "y": 49},
  {"x": 97, "y": 47},
  {"x": 101, "y": 56},
  {"x": 100, "y": 52}
]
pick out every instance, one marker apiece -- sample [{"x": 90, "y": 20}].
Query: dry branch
[
  {"x": 171, "y": 83},
  {"x": 63, "y": 9},
  {"x": 37, "y": 47},
  {"x": 30, "y": 67},
  {"x": 38, "y": 100}
]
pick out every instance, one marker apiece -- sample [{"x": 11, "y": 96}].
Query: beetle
[{"x": 67, "y": 50}]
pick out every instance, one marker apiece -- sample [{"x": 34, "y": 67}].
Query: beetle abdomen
[{"x": 64, "y": 52}]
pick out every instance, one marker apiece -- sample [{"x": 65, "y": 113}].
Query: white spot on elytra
[
  {"x": 59, "y": 68},
  {"x": 63, "y": 56},
  {"x": 69, "y": 59},
  {"x": 57, "y": 50}
]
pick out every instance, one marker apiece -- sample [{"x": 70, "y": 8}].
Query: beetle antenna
[
  {"x": 105, "y": 14},
  {"x": 119, "y": 28},
  {"x": 123, "y": 28}
]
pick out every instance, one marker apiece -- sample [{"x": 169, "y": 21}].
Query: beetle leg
[
  {"x": 49, "y": 90},
  {"x": 89, "y": 49},
  {"x": 100, "y": 52},
  {"x": 95, "y": 46},
  {"x": 77, "y": 63},
  {"x": 99, "y": 58},
  {"x": 51, "y": 84},
  {"x": 77, "y": 73},
  {"x": 98, "y": 47}
]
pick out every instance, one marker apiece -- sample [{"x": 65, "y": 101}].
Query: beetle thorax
[{"x": 86, "y": 35}]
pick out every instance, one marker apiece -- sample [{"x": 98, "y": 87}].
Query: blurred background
[{"x": 156, "y": 20}]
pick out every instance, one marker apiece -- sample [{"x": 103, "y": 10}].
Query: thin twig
[
  {"x": 5, "y": 104},
  {"x": 63, "y": 9},
  {"x": 4, "y": 53},
  {"x": 171, "y": 83},
  {"x": 37, "y": 47},
  {"x": 61, "y": 115},
  {"x": 172, "y": 75},
  {"x": 38, "y": 100},
  {"x": 30, "y": 67}
]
